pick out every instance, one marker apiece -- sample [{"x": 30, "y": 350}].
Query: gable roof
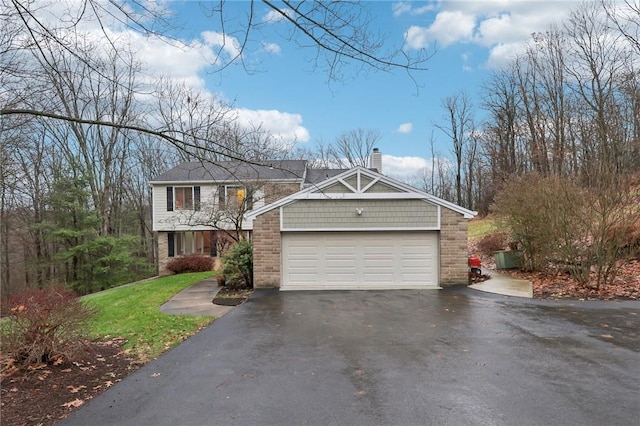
[
  {"x": 404, "y": 191},
  {"x": 233, "y": 171}
]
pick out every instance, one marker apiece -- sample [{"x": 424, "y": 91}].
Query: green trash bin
[{"x": 508, "y": 259}]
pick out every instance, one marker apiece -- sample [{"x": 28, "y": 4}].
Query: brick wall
[
  {"x": 266, "y": 250},
  {"x": 453, "y": 249}
]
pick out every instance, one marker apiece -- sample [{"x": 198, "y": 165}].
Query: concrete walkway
[
  {"x": 196, "y": 300},
  {"x": 501, "y": 283}
]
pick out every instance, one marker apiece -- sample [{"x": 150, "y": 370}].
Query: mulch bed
[
  {"x": 562, "y": 286},
  {"x": 231, "y": 297},
  {"x": 44, "y": 394}
]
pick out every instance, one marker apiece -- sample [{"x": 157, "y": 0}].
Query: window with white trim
[
  {"x": 234, "y": 197},
  {"x": 183, "y": 198},
  {"x": 191, "y": 242}
]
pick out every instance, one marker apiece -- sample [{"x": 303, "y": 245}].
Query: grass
[
  {"x": 478, "y": 228},
  {"x": 132, "y": 313}
]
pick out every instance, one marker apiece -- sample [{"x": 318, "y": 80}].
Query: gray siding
[
  {"x": 364, "y": 181},
  {"x": 341, "y": 214},
  {"x": 353, "y": 181},
  {"x": 336, "y": 188},
  {"x": 381, "y": 187}
]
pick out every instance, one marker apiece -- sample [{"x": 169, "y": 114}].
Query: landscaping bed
[
  {"x": 232, "y": 297},
  {"x": 626, "y": 286},
  {"x": 44, "y": 394}
]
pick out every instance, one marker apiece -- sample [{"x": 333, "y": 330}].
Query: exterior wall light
[{"x": 359, "y": 212}]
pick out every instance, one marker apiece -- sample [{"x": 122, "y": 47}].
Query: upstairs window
[
  {"x": 234, "y": 197},
  {"x": 183, "y": 198}
]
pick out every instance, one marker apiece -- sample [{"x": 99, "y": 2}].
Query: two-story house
[{"x": 313, "y": 228}]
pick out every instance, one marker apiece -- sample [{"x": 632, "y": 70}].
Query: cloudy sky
[{"x": 277, "y": 86}]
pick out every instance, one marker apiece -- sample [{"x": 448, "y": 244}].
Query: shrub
[
  {"x": 492, "y": 242},
  {"x": 589, "y": 230},
  {"x": 541, "y": 213},
  {"x": 45, "y": 326},
  {"x": 190, "y": 263},
  {"x": 238, "y": 265}
]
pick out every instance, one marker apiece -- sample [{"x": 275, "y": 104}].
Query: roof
[
  {"x": 229, "y": 171},
  {"x": 315, "y": 176},
  {"x": 410, "y": 192}
]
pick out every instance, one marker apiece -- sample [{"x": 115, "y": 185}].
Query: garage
[
  {"x": 360, "y": 230},
  {"x": 359, "y": 260}
]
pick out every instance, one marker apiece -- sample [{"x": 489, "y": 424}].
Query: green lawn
[
  {"x": 478, "y": 228},
  {"x": 131, "y": 312}
]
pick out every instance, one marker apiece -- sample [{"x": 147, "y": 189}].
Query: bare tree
[
  {"x": 625, "y": 17},
  {"x": 596, "y": 68},
  {"x": 544, "y": 100},
  {"x": 354, "y": 148},
  {"x": 340, "y": 32},
  {"x": 459, "y": 123}
]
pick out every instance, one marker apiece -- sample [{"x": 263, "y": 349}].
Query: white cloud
[
  {"x": 416, "y": 37},
  {"x": 497, "y": 25},
  {"x": 405, "y": 128},
  {"x": 400, "y": 8},
  {"x": 502, "y": 54},
  {"x": 282, "y": 125},
  {"x": 449, "y": 27},
  {"x": 403, "y": 7},
  {"x": 274, "y": 16},
  {"x": 271, "y": 48},
  {"x": 403, "y": 168},
  {"x": 228, "y": 44}
]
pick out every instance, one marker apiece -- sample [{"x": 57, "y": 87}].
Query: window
[
  {"x": 183, "y": 198},
  {"x": 191, "y": 242},
  {"x": 234, "y": 197}
]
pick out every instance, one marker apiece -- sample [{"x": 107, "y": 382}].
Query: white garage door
[{"x": 359, "y": 260}]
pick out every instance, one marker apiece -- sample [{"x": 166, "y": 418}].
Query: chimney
[{"x": 376, "y": 160}]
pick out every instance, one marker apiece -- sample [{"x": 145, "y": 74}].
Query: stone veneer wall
[
  {"x": 266, "y": 238},
  {"x": 267, "y": 250},
  {"x": 275, "y": 191},
  {"x": 163, "y": 253},
  {"x": 453, "y": 249}
]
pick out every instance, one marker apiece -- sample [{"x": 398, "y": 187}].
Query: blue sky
[{"x": 284, "y": 93}]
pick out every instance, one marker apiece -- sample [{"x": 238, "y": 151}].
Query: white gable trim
[
  {"x": 315, "y": 192},
  {"x": 373, "y": 182},
  {"x": 342, "y": 181}
]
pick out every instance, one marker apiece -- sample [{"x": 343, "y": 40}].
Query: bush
[
  {"x": 190, "y": 263},
  {"x": 589, "y": 230},
  {"x": 542, "y": 213},
  {"x": 238, "y": 265},
  {"x": 45, "y": 326},
  {"x": 492, "y": 242}
]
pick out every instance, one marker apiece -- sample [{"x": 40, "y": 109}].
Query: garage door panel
[
  {"x": 359, "y": 260},
  {"x": 303, "y": 278}
]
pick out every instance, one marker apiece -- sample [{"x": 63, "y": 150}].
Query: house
[{"x": 314, "y": 228}]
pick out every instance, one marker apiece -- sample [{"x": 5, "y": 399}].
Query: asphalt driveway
[{"x": 448, "y": 357}]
